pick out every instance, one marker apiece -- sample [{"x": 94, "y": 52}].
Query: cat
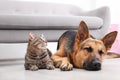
[{"x": 38, "y": 55}]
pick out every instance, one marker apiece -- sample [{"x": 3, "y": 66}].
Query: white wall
[{"x": 114, "y": 8}]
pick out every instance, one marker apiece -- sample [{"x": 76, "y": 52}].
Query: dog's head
[{"x": 90, "y": 52}]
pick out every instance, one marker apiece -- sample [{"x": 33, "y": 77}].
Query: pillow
[{"x": 116, "y": 45}]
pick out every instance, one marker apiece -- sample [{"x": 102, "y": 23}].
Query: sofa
[{"x": 18, "y": 18}]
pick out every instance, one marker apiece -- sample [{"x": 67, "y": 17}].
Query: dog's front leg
[{"x": 62, "y": 62}]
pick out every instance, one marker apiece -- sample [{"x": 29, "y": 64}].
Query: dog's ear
[
  {"x": 109, "y": 39},
  {"x": 83, "y": 32}
]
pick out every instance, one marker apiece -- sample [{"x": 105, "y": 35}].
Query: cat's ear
[
  {"x": 42, "y": 37},
  {"x": 31, "y": 36}
]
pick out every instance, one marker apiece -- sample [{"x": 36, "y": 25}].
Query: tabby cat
[{"x": 37, "y": 56}]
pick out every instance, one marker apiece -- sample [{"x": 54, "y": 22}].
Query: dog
[{"x": 79, "y": 50}]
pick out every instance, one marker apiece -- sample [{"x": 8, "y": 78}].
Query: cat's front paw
[
  {"x": 50, "y": 67},
  {"x": 34, "y": 68}
]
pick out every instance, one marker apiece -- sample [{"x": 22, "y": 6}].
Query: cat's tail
[{"x": 112, "y": 55}]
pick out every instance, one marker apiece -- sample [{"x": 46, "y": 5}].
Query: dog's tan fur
[{"x": 77, "y": 55}]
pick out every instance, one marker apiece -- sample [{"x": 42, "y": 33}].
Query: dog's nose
[
  {"x": 96, "y": 65},
  {"x": 93, "y": 65}
]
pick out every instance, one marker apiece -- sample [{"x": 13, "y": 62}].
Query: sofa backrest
[{"x": 38, "y": 8}]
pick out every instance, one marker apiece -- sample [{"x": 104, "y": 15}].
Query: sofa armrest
[{"x": 103, "y": 13}]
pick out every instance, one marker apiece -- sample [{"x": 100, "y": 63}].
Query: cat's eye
[
  {"x": 88, "y": 49},
  {"x": 41, "y": 45}
]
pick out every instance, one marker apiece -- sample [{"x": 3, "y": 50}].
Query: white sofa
[{"x": 18, "y": 18}]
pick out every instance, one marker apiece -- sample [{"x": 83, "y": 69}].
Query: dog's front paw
[
  {"x": 57, "y": 64},
  {"x": 34, "y": 68},
  {"x": 50, "y": 67},
  {"x": 66, "y": 67}
]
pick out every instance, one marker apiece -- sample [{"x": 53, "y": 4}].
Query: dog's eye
[
  {"x": 101, "y": 52},
  {"x": 89, "y": 49}
]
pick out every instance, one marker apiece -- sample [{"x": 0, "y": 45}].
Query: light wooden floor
[
  {"x": 110, "y": 71},
  {"x": 14, "y": 70}
]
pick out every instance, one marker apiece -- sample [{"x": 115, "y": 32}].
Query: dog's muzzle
[{"x": 92, "y": 65}]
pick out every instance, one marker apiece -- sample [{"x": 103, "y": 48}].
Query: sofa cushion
[{"x": 22, "y": 21}]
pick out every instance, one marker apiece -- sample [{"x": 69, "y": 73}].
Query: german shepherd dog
[{"x": 78, "y": 49}]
